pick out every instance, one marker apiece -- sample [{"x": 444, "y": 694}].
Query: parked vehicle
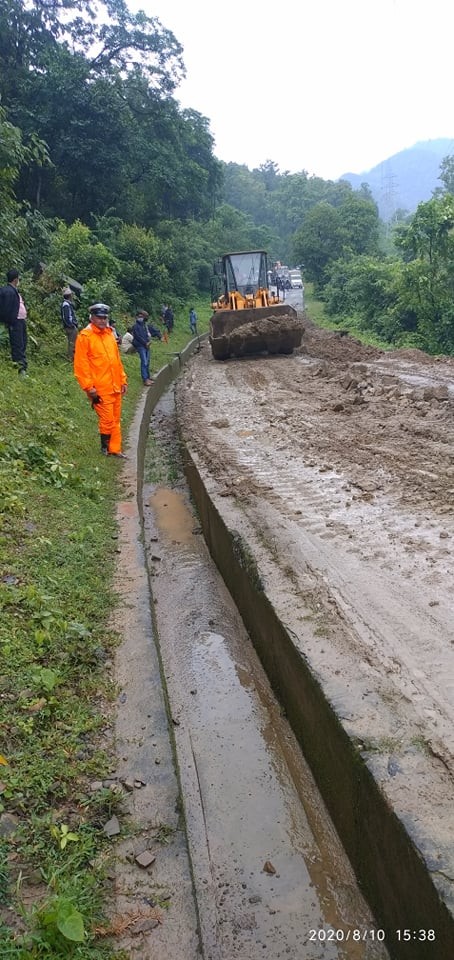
[{"x": 296, "y": 280}]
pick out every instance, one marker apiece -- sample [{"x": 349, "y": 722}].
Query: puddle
[{"x": 172, "y": 516}]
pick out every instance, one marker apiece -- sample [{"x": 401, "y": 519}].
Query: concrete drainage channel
[{"x": 239, "y": 912}]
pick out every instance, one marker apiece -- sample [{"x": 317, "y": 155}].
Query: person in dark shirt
[
  {"x": 193, "y": 321},
  {"x": 69, "y": 321},
  {"x": 14, "y": 315},
  {"x": 141, "y": 342},
  {"x": 169, "y": 319}
]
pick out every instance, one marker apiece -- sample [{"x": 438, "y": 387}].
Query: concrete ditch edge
[
  {"x": 147, "y": 757},
  {"x": 392, "y": 869}
]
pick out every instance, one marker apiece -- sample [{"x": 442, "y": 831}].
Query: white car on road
[{"x": 296, "y": 280}]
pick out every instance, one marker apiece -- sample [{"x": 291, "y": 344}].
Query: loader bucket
[{"x": 241, "y": 333}]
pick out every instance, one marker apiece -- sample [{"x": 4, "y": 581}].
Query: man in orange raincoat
[{"x": 100, "y": 372}]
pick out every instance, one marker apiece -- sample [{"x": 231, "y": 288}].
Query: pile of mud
[
  {"x": 336, "y": 345},
  {"x": 271, "y": 334}
]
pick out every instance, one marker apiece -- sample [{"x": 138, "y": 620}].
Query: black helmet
[{"x": 99, "y": 310}]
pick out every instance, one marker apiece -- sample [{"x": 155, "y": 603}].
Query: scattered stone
[
  {"x": 145, "y": 859},
  {"x": 360, "y": 369},
  {"x": 435, "y": 393},
  {"x": 8, "y": 824},
  {"x": 138, "y": 784},
  {"x": 157, "y": 760},
  {"x": 112, "y": 827},
  {"x": 144, "y": 926},
  {"x": 220, "y": 424},
  {"x": 128, "y": 785},
  {"x": 154, "y": 556},
  {"x": 440, "y": 392},
  {"x": 444, "y": 534},
  {"x": 268, "y": 867},
  {"x": 112, "y": 785},
  {"x": 393, "y": 767},
  {"x": 95, "y": 785},
  {"x": 256, "y": 898}
]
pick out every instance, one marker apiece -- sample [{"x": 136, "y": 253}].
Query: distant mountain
[{"x": 405, "y": 179}]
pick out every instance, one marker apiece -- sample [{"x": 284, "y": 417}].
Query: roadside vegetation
[
  {"x": 316, "y": 312},
  {"x": 58, "y": 541}
]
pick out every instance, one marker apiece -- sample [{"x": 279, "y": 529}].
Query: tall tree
[
  {"x": 320, "y": 242},
  {"x": 428, "y": 243},
  {"x": 12, "y": 228},
  {"x": 447, "y": 174}
]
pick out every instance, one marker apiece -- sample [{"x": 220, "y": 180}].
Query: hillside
[{"x": 405, "y": 179}]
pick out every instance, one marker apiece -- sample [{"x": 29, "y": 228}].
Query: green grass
[
  {"x": 315, "y": 310},
  {"x": 58, "y": 539}
]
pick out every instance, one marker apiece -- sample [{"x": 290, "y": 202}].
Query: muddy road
[
  {"x": 270, "y": 875},
  {"x": 339, "y": 460}
]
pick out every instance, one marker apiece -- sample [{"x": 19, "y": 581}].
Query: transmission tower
[{"x": 389, "y": 194}]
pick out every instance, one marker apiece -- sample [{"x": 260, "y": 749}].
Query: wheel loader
[{"x": 247, "y": 318}]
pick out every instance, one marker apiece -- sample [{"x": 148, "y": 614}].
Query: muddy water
[{"x": 270, "y": 875}]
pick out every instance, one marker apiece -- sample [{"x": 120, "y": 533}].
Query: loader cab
[
  {"x": 245, "y": 272},
  {"x": 240, "y": 282}
]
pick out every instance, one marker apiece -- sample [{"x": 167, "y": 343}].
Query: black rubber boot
[{"x": 105, "y": 437}]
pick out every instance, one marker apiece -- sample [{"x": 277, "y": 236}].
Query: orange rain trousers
[{"x": 97, "y": 364}]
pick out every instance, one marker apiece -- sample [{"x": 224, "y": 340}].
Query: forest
[{"x": 104, "y": 178}]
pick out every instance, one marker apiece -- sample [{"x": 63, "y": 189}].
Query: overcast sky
[{"x": 327, "y": 86}]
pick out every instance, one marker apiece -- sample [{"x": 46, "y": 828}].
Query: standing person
[
  {"x": 113, "y": 327},
  {"x": 141, "y": 342},
  {"x": 169, "y": 319},
  {"x": 100, "y": 372},
  {"x": 193, "y": 321},
  {"x": 69, "y": 321},
  {"x": 14, "y": 315}
]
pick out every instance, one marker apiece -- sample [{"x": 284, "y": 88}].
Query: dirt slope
[{"x": 341, "y": 460}]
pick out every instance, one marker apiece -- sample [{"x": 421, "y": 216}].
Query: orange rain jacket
[{"x": 97, "y": 361}]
